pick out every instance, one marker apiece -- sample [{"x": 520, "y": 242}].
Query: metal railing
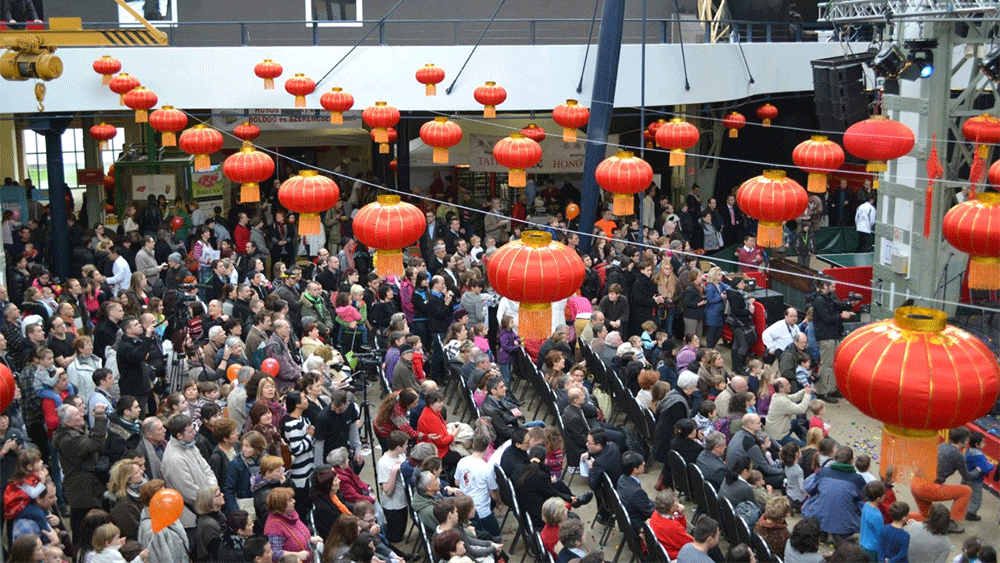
[{"x": 406, "y": 32}]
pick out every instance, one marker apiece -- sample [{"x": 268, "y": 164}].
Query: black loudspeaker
[
  {"x": 773, "y": 302},
  {"x": 839, "y": 91}
]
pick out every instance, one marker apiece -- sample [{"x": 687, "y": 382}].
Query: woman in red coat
[
  {"x": 435, "y": 430},
  {"x": 669, "y": 523}
]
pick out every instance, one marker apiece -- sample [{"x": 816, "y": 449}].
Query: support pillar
[
  {"x": 52, "y": 129},
  {"x": 403, "y": 154},
  {"x": 9, "y": 152},
  {"x": 601, "y": 109}
]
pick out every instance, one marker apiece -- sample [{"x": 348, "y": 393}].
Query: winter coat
[
  {"x": 186, "y": 471},
  {"x": 78, "y": 454},
  {"x": 715, "y": 309},
  {"x": 169, "y": 545}
]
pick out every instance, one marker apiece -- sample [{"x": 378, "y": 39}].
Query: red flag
[
  {"x": 934, "y": 171},
  {"x": 976, "y": 172}
]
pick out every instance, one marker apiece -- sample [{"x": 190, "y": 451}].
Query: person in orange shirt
[{"x": 607, "y": 223}]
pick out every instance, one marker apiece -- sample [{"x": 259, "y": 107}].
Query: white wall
[{"x": 535, "y": 77}]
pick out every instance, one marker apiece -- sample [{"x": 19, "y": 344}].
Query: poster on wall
[
  {"x": 207, "y": 184},
  {"x": 155, "y": 12},
  {"x": 145, "y": 185}
]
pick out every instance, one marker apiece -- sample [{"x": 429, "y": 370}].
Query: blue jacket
[
  {"x": 237, "y": 484},
  {"x": 836, "y": 491},
  {"x": 716, "y": 307},
  {"x": 974, "y": 458}
]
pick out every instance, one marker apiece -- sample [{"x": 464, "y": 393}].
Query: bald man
[
  {"x": 746, "y": 443},
  {"x": 785, "y": 406},
  {"x": 737, "y": 385}
]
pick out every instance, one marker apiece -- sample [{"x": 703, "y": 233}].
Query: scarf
[
  {"x": 340, "y": 505},
  {"x": 316, "y": 301},
  {"x": 845, "y": 467}
]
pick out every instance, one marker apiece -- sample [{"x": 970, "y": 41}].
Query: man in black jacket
[
  {"x": 439, "y": 317},
  {"x": 828, "y": 319},
  {"x": 106, "y": 330},
  {"x": 604, "y": 457},
  {"x": 505, "y": 417},
  {"x": 124, "y": 428},
  {"x": 741, "y": 313},
  {"x": 136, "y": 346}
]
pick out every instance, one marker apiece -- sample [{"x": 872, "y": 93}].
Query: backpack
[
  {"x": 362, "y": 261},
  {"x": 635, "y": 443},
  {"x": 749, "y": 512}
]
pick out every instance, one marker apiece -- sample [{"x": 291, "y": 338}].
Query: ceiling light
[{"x": 889, "y": 62}]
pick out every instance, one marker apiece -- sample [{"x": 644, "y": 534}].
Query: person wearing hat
[
  {"x": 741, "y": 318},
  {"x": 175, "y": 273},
  {"x": 402, "y": 374},
  {"x": 461, "y": 315}
]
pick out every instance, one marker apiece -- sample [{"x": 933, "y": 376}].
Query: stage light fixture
[
  {"x": 990, "y": 64},
  {"x": 889, "y": 62},
  {"x": 920, "y": 63}
]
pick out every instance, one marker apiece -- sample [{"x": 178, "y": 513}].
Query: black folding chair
[
  {"x": 624, "y": 524},
  {"x": 546, "y": 557},
  {"x": 506, "y": 492},
  {"x": 678, "y": 472},
  {"x": 727, "y": 521},
  {"x": 712, "y": 503},
  {"x": 653, "y": 546},
  {"x": 697, "y": 483},
  {"x": 762, "y": 550}
]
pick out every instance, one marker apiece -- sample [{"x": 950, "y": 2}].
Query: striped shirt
[{"x": 300, "y": 444}]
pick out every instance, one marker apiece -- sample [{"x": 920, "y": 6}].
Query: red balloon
[
  {"x": 7, "y": 387},
  {"x": 165, "y": 508},
  {"x": 232, "y": 372},
  {"x": 177, "y": 223},
  {"x": 270, "y": 366}
]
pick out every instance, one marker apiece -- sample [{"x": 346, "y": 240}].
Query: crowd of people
[{"x": 225, "y": 357}]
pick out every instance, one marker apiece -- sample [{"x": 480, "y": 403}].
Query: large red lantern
[
  {"x": 917, "y": 375},
  {"x": 380, "y": 117},
  {"x": 772, "y": 199},
  {"x": 535, "y": 271},
  {"x": 336, "y": 101},
  {"x": 534, "y": 132},
  {"x": 268, "y": 70},
  {"x": 570, "y": 116},
  {"x": 308, "y": 194},
  {"x": 982, "y": 130},
  {"x": 818, "y": 156},
  {"x": 300, "y": 86},
  {"x": 430, "y": 76},
  {"x": 440, "y": 134},
  {"x": 518, "y": 153},
  {"x": 8, "y": 386},
  {"x": 973, "y": 227},
  {"x": 246, "y": 131},
  {"x": 123, "y": 84},
  {"x": 878, "y": 139},
  {"x": 624, "y": 175},
  {"x": 490, "y": 95},
  {"x": 388, "y": 226},
  {"x": 201, "y": 141},
  {"x": 168, "y": 120},
  {"x": 141, "y": 100},
  {"x": 103, "y": 133},
  {"x": 994, "y": 174},
  {"x": 248, "y": 167},
  {"x": 767, "y": 113},
  {"x": 676, "y": 136},
  {"x": 107, "y": 66},
  {"x": 734, "y": 122}
]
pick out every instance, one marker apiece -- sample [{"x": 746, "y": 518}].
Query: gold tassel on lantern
[
  {"x": 202, "y": 162},
  {"x": 984, "y": 272},
  {"x": 734, "y": 133},
  {"x": 249, "y": 192},
  {"x": 389, "y": 262},
  {"x": 489, "y": 111},
  {"x": 534, "y": 321},
  {"x": 169, "y": 139},
  {"x": 381, "y": 135},
  {"x": 769, "y": 234},
  {"x": 383, "y": 148},
  {"x": 677, "y": 157},
  {"x": 309, "y": 224},
  {"x": 876, "y": 166},
  {"x": 102, "y": 145},
  {"x": 431, "y": 90},
  {"x": 336, "y": 118},
  {"x": 623, "y": 205},
  {"x": 141, "y": 116},
  {"x": 569, "y": 134},
  {"x": 517, "y": 178},
  {"x": 300, "y": 101},
  {"x": 817, "y": 183},
  {"x": 269, "y": 84},
  {"x": 984, "y": 151},
  {"x": 440, "y": 155},
  {"x": 913, "y": 453}
]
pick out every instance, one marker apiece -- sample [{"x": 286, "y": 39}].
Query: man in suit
[
  {"x": 434, "y": 231},
  {"x": 732, "y": 221},
  {"x": 634, "y": 499},
  {"x": 603, "y": 457},
  {"x": 745, "y": 444},
  {"x": 710, "y": 460},
  {"x": 575, "y": 427}
]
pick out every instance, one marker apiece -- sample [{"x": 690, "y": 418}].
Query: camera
[{"x": 852, "y": 296}]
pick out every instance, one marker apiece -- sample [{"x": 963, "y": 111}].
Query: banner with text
[
  {"x": 557, "y": 156},
  {"x": 284, "y": 119}
]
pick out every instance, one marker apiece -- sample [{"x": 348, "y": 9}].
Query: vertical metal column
[
  {"x": 403, "y": 155},
  {"x": 601, "y": 109},
  {"x": 52, "y": 128}
]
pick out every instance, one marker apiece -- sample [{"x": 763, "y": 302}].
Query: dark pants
[
  {"x": 395, "y": 525},
  {"x": 76, "y": 516},
  {"x": 489, "y": 525},
  {"x": 866, "y": 242},
  {"x": 303, "y": 503},
  {"x": 742, "y": 340},
  {"x": 712, "y": 335}
]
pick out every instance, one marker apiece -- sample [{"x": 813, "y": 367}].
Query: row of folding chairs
[
  {"x": 622, "y": 401},
  {"x": 689, "y": 480},
  {"x": 525, "y": 529}
]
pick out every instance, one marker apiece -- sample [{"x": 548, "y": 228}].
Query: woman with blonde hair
[
  {"x": 710, "y": 366},
  {"x": 123, "y": 485},
  {"x": 210, "y": 524},
  {"x": 267, "y": 393},
  {"x": 668, "y": 287}
]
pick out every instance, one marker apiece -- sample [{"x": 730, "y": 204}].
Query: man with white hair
[
  {"x": 216, "y": 340},
  {"x": 79, "y": 452},
  {"x": 277, "y": 348},
  {"x": 611, "y": 343}
]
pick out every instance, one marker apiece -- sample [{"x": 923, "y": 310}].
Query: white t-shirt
[
  {"x": 476, "y": 479},
  {"x": 383, "y": 469}
]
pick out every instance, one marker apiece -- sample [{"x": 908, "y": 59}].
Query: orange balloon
[
  {"x": 572, "y": 211},
  {"x": 165, "y": 508},
  {"x": 232, "y": 371},
  {"x": 270, "y": 366}
]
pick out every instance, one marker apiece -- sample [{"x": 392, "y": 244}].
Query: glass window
[
  {"x": 72, "y": 149},
  {"x": 334, "y": 12}
]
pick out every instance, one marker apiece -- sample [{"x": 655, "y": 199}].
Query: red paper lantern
[
  {"x": 534, "y": 132},
  {"x": 201, "y": 141},
  {"x": 655, "y": 126},
  {"x": 982, "y": 130},
  {"x": 246, "y": 131},
  {"x": 649, "y": 137},
  {"x": 268, "y": 70},
  {"x": 107, "y": 66},
  {"x": 109, "y": 182},
  {"x": 103, "y": 133},
  {"x": 8, "y": 385},
  {"x": 393, "y": 165},
  {"x": 518, "y": 153},
  {"x": 391, "y": 136},
  {"x": 535, "y": 271},
  {"x": 123, "y": 84},
  {"x": 336, "y": 101},
  {"x": 300, "y": 86},
  {"x": 380, "y": 117},
  {"x": 994, "y": 174},
  {"x": 388, "y": 226},
  {"x": 772, "y": 199},
  {"x": 734, "y": 122},
  {"x": 490, "y": 95},
  {"x": 141, "y": 100},
  {"x": 248, "y": 167},
  {"x": 308, "y": 194},
  {"x": 571, "y": 116},
  {"x": 168, "y": 121},
  {"x": 917, "y": 375},
  {"x": 766, "y": 113},
  {"x": 818, "y": 156},
  {"x": 430, "y": 76},
  {"x": 973, "y": 227},
  {"x": 440, "y": 134},
  {"x": 878, "y": 139},
  {"x": 624, "y": 175},
  {"x": 677, "y": 136}
]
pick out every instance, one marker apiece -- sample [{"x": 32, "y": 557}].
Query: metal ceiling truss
[{"x": 872, "y": 11}]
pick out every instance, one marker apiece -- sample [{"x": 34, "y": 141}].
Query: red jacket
[
  {"x": 670, "y": 532},
  {"x": 433, "y": 423},
  {"x": 352, "y": 488},
  {"x": 241, "y": 234}
]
